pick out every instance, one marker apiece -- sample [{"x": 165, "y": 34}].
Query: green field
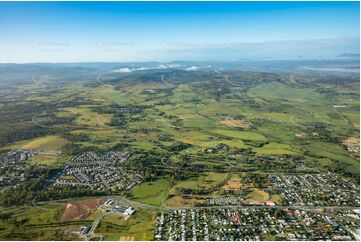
[
  {"x": 275, "y": 149},
  {"x": 32, "y": 223},
  {"x": 138, "y": 227},
  {"x": 46, "y": 143},
  {"x": 204, "y": 181},
  {"x": 152, "y": 193}
]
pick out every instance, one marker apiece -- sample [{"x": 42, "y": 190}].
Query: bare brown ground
[
  {"x": 300, "y": 135},
  {"x": 236, "y": 123},
  {"x": 180, "y": 202},
  {"x": 77, "y": 210},
  {"x": 351, "y": 141},
  {"x": 233, "y": 184}
]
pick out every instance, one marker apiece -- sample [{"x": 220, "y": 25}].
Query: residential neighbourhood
[
  {"x": 239, "y": 224},
  {"x": 316, "y": 189},
  {"x": 101, "y": 172},
  {"x": 306, "y": 189},
  {"x": 14, "y": 170}
]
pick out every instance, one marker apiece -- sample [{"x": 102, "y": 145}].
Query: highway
[{"x": 142, "y": 205}]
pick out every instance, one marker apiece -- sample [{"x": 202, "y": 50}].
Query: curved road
[
  {"x": 101, "y": 82},
  {"x": 166, "y": 83}
]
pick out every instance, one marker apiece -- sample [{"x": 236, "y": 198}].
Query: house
[{"x": 129, "y": 211}]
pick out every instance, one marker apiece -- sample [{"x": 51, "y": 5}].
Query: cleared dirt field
[
  {"x": 180, "y": 202},
  {"x": 352, "y": 141},
  {"x": 236, "y": 123},
  {"x": 233, "y": 184},
  {"x": 300, "y": 135},
  {"x": 77, "y": 210}
]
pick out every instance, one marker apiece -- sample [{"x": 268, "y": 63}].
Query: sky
[{"x": 166, "y": 31}]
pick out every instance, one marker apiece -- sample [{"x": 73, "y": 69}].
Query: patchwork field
[{"x": 192, "y": 138}]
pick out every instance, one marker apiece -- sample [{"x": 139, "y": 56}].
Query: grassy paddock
[{"x": 152, "y": 193}]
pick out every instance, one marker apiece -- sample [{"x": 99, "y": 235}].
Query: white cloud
[
  {"x": 192, "y": 68},
  {"x": 123, "y": 70}
]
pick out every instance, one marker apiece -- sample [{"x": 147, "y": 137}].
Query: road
[
  {"x": 292, "y": 80},
  {"x": 91, "y": 234},
  {"x": 226, "y": 78},
  {"x": 304, "y": 207},
  {"x": 33, "y": 119},
  {"x": 105, "y": 210},
  {"x": 165, "y": 82},
  {"x": 34, "y": 204},
  {"x": 36, "y": 123},
  {"x": 101, "y": 82}
]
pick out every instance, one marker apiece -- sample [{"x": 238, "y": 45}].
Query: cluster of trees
[
  {"x": 24, "y": 132},
  {"x": 35, "y": 188},
  {"x": 55, "y": 193},
  {"x": 25, "y": 192},
  {"x": 323, "y": 134},
  {"x": 201, "y": 190},
  {"x": 122, "y": 115}
]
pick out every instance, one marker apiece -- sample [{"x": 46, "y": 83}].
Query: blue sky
[{"x": 129, "y": 31}]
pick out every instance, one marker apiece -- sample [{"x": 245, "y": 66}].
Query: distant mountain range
[{"x": 350, "y": 55}]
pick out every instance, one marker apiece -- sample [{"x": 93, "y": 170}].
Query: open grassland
[
  {"x": 273, "y": 148},
  {"x": 105, "y": 138},
  {"x": 35, "y": 223},
  {"x": 84, "y": 116},
  {"x": 49, "y": 160},
  {"x": 303, "y": 104},
  {"x": 257, "y": 195},
  {"x": 50, "y": 143},
  {"x": 242, "y": 135},
  {"x": 354, "y": 118},
  {"x": 337, "y": 154},
  {"x": 204, "y": 181},
  {"x": 138, "y": 227},
  {"x": 152, "y": 193},
  {"x": 45, "y": 143},
  {"x": 182, "y": 202},
  {"x": 236, "y": 123},
  {"x": 276, "y": 198}
]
